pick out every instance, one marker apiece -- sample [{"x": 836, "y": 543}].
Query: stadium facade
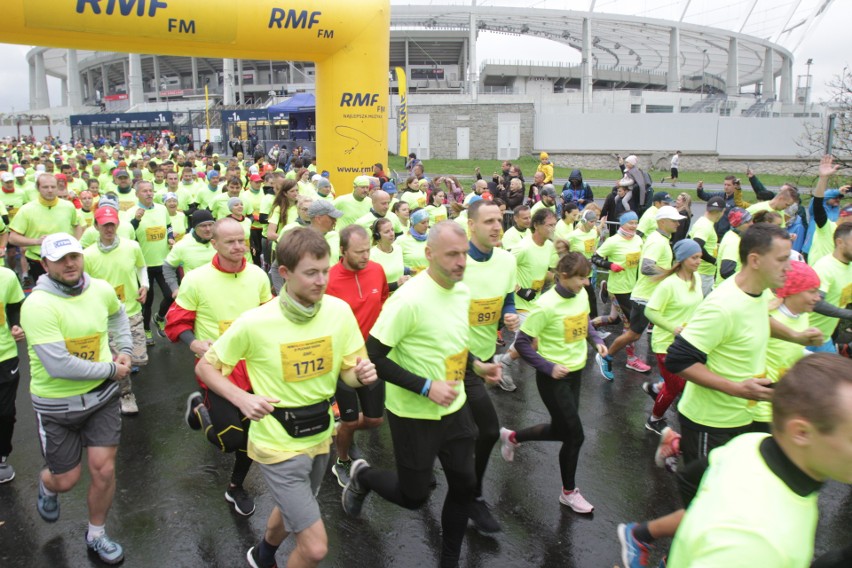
[{"x": 662, "y": 84}]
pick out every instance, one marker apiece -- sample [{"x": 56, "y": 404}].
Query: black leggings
[
  {"x": 593, "y": 301},
  {"x": 228, "y": 431},
  {"x": 256, "y": 244},
  {"x": 486, "y": 421},
  {"x": 562, "y": 399},
  {"x": 155, "y": 274},
  {"x": 416, "y": 443},
  {"x": 8, "y": 392}
]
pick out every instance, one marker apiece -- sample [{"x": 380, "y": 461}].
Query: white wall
[
  {"x": 693, "y": 133},
  {"x": 40, "y": 132}
]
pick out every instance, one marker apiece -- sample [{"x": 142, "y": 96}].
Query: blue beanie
[
  {"x": 685, "y": 248},
  {"x": 419, "y": 216},
  {"x": 627, "y": 217}
]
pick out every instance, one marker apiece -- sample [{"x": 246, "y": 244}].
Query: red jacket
[{"x": 365, "y": 291}]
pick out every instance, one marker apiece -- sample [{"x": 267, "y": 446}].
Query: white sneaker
[
  {"x": 128, "y": 404},
  {"x": 576, "y": 501},
  {"x": 506, "y": 383},
  {"x": 507, "y": 446}
]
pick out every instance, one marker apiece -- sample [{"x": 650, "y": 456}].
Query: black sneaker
[
  {"x": 482, "y": 519},
  {"x": 193, "y": 401},
  {"x": 648, "y": 387},
  {"x": 354, "y": 493},
  {"x": 656, "y": 426},
  {"x": 253, "y": 558},
  {"x": 242, "y": 501}
]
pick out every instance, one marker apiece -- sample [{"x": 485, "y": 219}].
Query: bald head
[
  {"x": 381, "y": 201},
  {"x": 480, "y": 186}
]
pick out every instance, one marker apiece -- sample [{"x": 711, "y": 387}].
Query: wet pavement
[{"x": 169, "y": 508}]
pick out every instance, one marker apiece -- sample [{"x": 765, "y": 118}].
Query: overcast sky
[{"x": 829, "y": 45}]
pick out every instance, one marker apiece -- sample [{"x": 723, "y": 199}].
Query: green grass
[{"x": 464, "y": 169}]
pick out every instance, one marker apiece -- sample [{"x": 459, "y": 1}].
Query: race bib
[
  {"x": 576, "y": 327},
  {"x": 589, "y": 246},
  {"x": 456, "y": 365},
  {"x": 305, "y": 360},
  {"x": 846, "y": 296},
  {"x": 125, "y": 205},
  {"x": 224, "y": 325},
  {"x": 119, "y": 291},
  {"x": 537, "y": 285},
  {"x": 87, "y": 348},
  {"x": 2, "y": 314},
  {"x": 155, "y": 233},
  {"x": 485, "y": 311},
  {"x": 632, "y": 259},
  {"x": 12, "y": 212},
  {"x": 179, "y": 237}
]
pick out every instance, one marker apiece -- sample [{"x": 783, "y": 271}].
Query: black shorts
[
  {"x": 417, "y": 442},
  {"x": 638, "y": 321},
  {"x": 674, "y": 173},
  {"x": 371, "y": 399},
  {"x": 698, "y": 441}
]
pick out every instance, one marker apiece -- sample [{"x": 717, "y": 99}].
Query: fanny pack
[{"x": 304, "y": 421}]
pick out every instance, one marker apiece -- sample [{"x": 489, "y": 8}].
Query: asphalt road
[{"x": 169, "y": 508}]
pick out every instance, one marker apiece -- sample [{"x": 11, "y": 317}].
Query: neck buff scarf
[
  {"x": 296, "y": 312},
  {"x": 107, "y": 248}
]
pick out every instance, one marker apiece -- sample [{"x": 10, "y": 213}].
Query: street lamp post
[
  {"x": 807, "y": 86},
  {"x": 703, "y": 70}
]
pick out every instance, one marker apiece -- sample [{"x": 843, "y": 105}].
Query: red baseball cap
[
  {"x": 255, "y": 177},
  {"x": 105, "y": 215}
]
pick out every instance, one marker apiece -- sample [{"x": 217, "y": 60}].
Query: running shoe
[
  {"x": 604, "y": 293},
  {"x": 634, "y": 553},
  {"x": 605, "y": 366},
  {"x": 240, "y": 499},
  {"x": 656, "y": 426},
  {"x": 193, "y": 401},
  {"x": 341, "y": 471},
  {"x": 48, "y": 506},
  {"x": 253, "y": 558},
  {"x": 668, "y": 450},
  {"x": 576, "y": 501},
  {"x": 128, "y": 404},
  {"x": 149, "y": 338},
  {"x": 482, "y": 519},
  {"x": 354, "y": 493},
  {"x": 160, "y": 325},
  {"x": 507, "y": 446},
  {"x": 650, "y": 389},
  {"x": 506, "y": 382},
  {"x": 637, "y": 364},
  {"x": 7, "y": 472},
  {"x": 107, "y": 550}
]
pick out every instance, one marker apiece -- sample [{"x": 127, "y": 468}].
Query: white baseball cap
[
  {"x": 19, "y": 172},
  {"x": 6, "y": 176},
  {"x": 54, "y": 247},
  {"x": 669, "y": 212}
]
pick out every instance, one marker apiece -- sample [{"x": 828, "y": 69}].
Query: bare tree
[{"x": 839, "y": 103}]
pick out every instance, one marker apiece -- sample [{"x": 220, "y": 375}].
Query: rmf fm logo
[{"x": 361, "y": 100}]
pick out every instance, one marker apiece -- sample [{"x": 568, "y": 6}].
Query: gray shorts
[
  {"x": 294, "y": 485},
  {"x": 63, "y": 436}
]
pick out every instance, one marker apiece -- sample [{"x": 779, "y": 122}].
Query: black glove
[{"x": 527, "y": 294}]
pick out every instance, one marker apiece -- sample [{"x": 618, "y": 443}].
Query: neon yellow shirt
[
  {"x": 10, "y": 293},
  {"x": 489, "y": 282},
  {"x": 190, "y": 254},
  {"x": 671, "y": 305},
  {"x": 118, "y": 268},
  {"x": 745, "y": 515},
  {"x": 152, "y": 232},
  {"x": 410, "y": 330},
  {"x": 823, "y": 242},
  {"x": 533, "y": 263},
  {"x": 584, "y": 242},
  {"x": 296, "y": 364},
  {"x": 780, "y": 356},
  {"x": 626, "y": 253},
  {"x": 78, "y": 321},
  {"x": 703, "y": 229},
  {"x": 352, "y": 209},
  {"x": 413, "y": 253},
  {"x": 729, "y": 249},
  {"x": 218, "y": 298},
  {"x": 34, "y": 220},
  {"x": 513, "y": 237},
  {"x": 732, "y": 328},
  {"x": 657, "y": 247},
  {"x": 561, "y": 326},
  {"x": 392, "y": 262},
  {"x": 835, "y": 280},
  {"x": 648, "y": 221}
]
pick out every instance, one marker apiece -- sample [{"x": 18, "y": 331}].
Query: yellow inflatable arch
[{"x": 348, "y": 40}]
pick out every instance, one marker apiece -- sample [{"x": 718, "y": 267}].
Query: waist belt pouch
[{"x": 304, "y": 421}]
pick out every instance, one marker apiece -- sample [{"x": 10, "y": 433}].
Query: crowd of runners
[{"x": 313, "y": 314}]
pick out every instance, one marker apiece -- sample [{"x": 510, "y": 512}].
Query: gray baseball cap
[{"x": 324, "y": 207}]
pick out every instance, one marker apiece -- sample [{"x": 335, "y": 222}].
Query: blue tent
[{"x": 300, "y": 102}]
